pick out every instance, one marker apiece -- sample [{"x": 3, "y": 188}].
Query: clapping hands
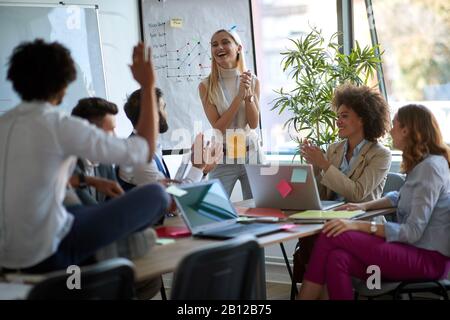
[
  {"x": 205, "y": 157},
  {"x": 245, "y": 85},
  {"x": 313, "y": 155}
]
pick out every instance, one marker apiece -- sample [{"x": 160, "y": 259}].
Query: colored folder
[
  {"x": 326, "y": 215},
  {"x": 172, "y": 232},
  {"x": 260, "y": 212}
]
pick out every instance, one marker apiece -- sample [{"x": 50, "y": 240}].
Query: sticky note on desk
[
  {"x": 164, "y": 241},
  {"x": 284, "y": 188},
  {"x": 299, "y": 175},
  {"x": 175, "y": 191},
  {"x": 176, "y": 23},
  {"x": 287, "y": 227},
  {"x": 236, "y": 147}
]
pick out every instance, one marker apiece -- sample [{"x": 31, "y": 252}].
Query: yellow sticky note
[
  {"x": 236, "y": 145},
  {"x": 176, "y": 23}
]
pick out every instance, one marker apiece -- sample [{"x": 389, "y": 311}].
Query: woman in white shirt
[
  {"x": 230, "y": 98},
  {"x": 38, "y": 149}
]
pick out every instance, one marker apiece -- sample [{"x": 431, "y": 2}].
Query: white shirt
[
  {"x": 149, "y": 172},
  {"x": 38, "y": 150},
  {"x": 229, "y": 80}
]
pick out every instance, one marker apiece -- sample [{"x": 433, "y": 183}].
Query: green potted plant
[{"x": 317, "y": 68}]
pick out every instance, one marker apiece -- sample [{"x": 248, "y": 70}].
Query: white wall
[{"x": 119, "y": 31}]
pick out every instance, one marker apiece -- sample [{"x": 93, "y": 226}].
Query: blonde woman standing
[{"x": 230, "y": 98}]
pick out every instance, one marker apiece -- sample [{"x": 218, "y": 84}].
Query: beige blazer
[{"x": 365, "y": 179}]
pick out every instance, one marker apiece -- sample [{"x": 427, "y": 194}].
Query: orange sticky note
[
  {"x": 236, "y": 145},
  {"x": 284, "y": 188}
]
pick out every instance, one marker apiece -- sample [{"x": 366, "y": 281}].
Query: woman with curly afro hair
[
  {"x": 417, "y": 245},
  {"x": 355, "y": 168}
]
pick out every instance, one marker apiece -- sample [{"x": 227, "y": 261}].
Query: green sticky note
[
  {"x": 244, "y": 219},
  {"x": 177, "y": 192},
  {"x": 163, "y": 241},
  {"x": 298, "y": 175}
]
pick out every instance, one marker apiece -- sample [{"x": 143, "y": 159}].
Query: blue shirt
[
  {"x": 346, "y": 165},
  {"x": 423, "y": 207}
]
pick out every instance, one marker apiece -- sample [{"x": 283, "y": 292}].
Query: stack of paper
[
  {"x": 260, "y": 212},
  {"x": 326, "y": 215}
]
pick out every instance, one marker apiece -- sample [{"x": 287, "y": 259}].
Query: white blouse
[{"x": 38, "y": 150}]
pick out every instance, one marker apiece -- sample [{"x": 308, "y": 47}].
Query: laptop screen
[{"x": 206, "y": 203}]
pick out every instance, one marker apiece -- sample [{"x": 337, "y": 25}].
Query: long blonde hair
[
  {"x": 213, "y": 90},
  {"x": 424, "y": 136}
]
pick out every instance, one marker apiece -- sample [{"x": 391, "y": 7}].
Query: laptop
[
  {"x": 288, "y": 187},
  {"x": 208, "y": 212}
]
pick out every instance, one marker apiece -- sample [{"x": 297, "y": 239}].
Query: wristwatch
[
  {"x": 373, "y": 227},
  {"x": 82, "y": 181}
]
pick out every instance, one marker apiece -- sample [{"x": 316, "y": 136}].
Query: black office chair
[
  {"x": 394, "y": 181},
  {"x": 398, "y": 289},
  {"x": 224, "y": 271},
  {"x": 106, "y": 280}
]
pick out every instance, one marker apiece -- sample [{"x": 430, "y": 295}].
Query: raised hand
[
  {"x": 142, "y": 66},
  {"x": 213, "y": 153},
  {"x": 197, "y": 152},
  {"x": 206, "y": 157}
]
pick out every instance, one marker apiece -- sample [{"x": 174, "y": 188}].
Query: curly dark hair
[
  {"x": 94, "y": 109},
  {"x": 40, "y": 70},
  {"x": 368, "y": 104}
]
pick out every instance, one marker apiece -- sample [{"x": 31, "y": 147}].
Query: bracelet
[
  {"x": 82, "y": 181},
  {"x": 250, "y": 99}
]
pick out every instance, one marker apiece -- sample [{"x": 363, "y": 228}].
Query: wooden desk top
[{"x": 165, "y": 258}]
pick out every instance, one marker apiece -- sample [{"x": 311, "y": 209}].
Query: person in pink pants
[{"x": 417, "y": 246}]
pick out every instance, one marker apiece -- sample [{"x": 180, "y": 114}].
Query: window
[
  {"x": 415, "y": 37},
  {"x": 275, "y": 21}
]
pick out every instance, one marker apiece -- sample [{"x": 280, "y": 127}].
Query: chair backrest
[
  {"x": 106, "y": 280},
  {"x": 394, "y": 182},
  {"x": 224, "y": 271}
]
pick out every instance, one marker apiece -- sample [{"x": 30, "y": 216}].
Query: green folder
[{"x": 326, "y": 215}]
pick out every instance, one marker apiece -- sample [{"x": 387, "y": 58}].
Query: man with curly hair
[{"x": 38, "y": 150}]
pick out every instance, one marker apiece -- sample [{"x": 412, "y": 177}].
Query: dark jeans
[{"x": 100, "y": 225}]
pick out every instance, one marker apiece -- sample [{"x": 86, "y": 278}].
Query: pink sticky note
[
  {"x": 287, "y": 227},
  {"x": 284, "y": 188}
]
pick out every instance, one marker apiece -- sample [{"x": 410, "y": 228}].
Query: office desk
[{"x": 165, "y": 258}]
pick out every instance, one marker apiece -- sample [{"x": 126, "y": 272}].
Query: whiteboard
[
  {"x": 179, "y": 33},
  {"x": 73, "y": 26}
]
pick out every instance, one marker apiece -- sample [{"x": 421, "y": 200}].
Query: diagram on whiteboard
[
  {"x": 179, "y": 33},
  {"x": 190, "y": 61}
]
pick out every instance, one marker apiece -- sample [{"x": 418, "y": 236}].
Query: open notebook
[{"x": 326, "y": 215}]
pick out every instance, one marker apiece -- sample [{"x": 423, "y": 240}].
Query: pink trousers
[{"x": 335, "y": 260}]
